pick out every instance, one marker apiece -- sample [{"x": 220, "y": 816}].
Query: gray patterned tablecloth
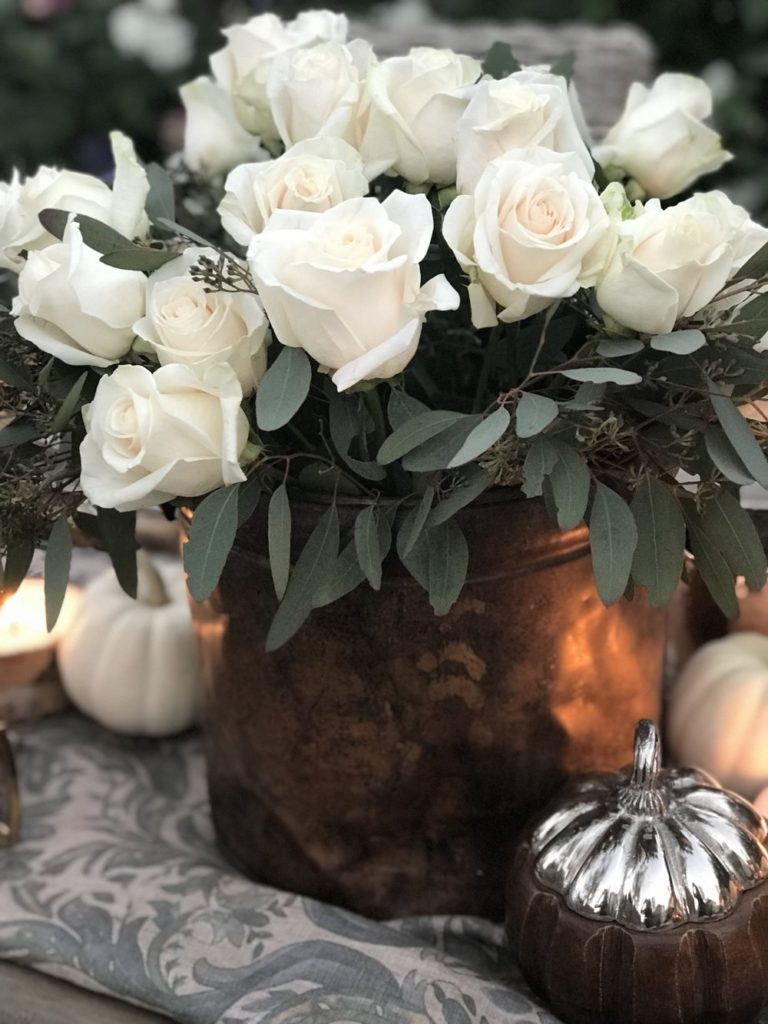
[{"x": 117, "y": 885}]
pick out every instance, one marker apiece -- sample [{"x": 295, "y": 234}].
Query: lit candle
[{"x": 26, "y": 646}]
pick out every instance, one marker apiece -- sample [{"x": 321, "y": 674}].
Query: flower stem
[{"x": 372, "y": 400}]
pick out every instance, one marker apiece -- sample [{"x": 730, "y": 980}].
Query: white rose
[
  {"x": 528, "y": 108},
  {"x": 534, "y": 232},
  {"x": 317, "y": 90},
  {"x": 660, "y": 140},
  {"x": 670, "y": 263},
  {"x": 413, "y": 111},
  {"x": 313, "y": 175},
  {"x": 188, "y": 325},
  {"x": 242, "y": 66},
  {"x": 214, "y": 140},
  {"x": 121, "y": 207},
  {"x": 75, "y": 307},
  {"x": 345, "y": 285},
  {"x": 156, "y": 436}
]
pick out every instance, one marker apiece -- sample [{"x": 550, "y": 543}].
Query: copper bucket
[{"x": 385, "y": 759}]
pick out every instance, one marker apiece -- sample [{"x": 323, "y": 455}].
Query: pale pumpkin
[
  {"x": 133, "y": 665},
  {"x": 718, "y": 712}
]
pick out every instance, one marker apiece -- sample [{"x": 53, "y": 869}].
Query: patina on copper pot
[{"x": 385, "y": 759}]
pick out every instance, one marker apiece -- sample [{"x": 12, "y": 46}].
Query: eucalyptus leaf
[
  {"x": 279, "y": 539},
  {"x": 612, "y": 539},
  {"x": 500, "y": 62},
  {"x": 757, "y": 266},
  {"x": 723, "y": 455},
  {"x": 413, "y": 523},
  {"x": 248, "y": 498},
  {"x": 534, "y": 413},
  {"x": 402, "y": 407},
  {"x": 415, "y": 432},
  {"x": 658, "y": 560},
  {"x": 17, "y": 561},
  {"x": 58, "y": 558},
  {"x": 483, "y": 437},
  {"x": 160, "y": 201},
  {"x": 448, "y": 562},
  {"x": 417, "y": 561},
  {"x": 101, "y": 237},
  {"x": 616, "y": 348},
  {"x": 16, "y": 377},
  {"x": 344, "y": 421},
  {"x": 570, "y": 482},
  {"x": 313, "y": 568},
  {"x": 714, "y": 571},
  {"x": 539, "y": 463},
  {"x": 18, "y": 432},
  {"x": 439, "y": 451},
  {"x": 283, "y": 388},
  {"x": 731, "y": 531},
  {"x": 740, "y": 436},
  {"x": 603, "y": 375},
  {"x": 70, "y": 404},
  {"x": 751, "y": 319},
  {"x": 563, "y": 66},
  {"x": 473, "y": 481},
  {"x": 345, "y": 576},
  {"x": 681, "y": 343},
  {"x": 373, "y": 536},
  {"x": 140, "y": 258},
  {"x": 54, "y": 221},
  {"x": 211, "y": 537},
  {"x": 118, "y": 533}
]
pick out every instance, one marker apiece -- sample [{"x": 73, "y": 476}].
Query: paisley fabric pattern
[{"x": 117, "y": 885}]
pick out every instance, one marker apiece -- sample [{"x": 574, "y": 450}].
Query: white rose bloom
[
  {"x": 156, "y": 436},
  {"x": 313, "y": 175},
  {"x": 670, "y": 263},
  {"x": 345, "y": 285},
  {"x": 75, "y": 307},
  {"x": 214, "y": 140},
  {"x": 121, "y": 207},
  {"x": 533, "y": 232},
  {"x": 188, "y": 325},
  {"x": 317, "y": 91},
  {"x": 660, "y": 140},
  {"x": 242, "y": 66},
  {"x": 414, "y": 104},
  {"x": 528, "y": 108}
]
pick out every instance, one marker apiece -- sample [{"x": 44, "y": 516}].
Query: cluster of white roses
[{"x": 337, "y": 272}]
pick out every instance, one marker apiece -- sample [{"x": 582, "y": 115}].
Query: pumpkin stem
[
  {"x": 642, "y": 795},
  {"x": 151, "y": 590}
]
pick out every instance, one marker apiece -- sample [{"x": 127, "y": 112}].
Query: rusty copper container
[{"x": 385, "y": 759}]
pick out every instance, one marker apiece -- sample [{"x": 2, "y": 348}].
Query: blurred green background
[{"x": 72, "y": 69}]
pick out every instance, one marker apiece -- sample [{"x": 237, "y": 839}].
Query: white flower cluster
[{"x": 302, "y": 121}]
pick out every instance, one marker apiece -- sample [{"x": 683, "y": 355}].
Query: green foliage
[
  {"x": 58, "y": 556},
  {"x": 211, "y": 536},
  {"x": 283, "y": 388},
  {"x": 65, "y": 86}
]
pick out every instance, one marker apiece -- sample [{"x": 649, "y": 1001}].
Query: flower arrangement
[{"x": 418, "y": 280}]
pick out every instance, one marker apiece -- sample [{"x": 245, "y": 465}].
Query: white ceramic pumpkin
[
  {"x": 132, "y": 665},
  {"x": 717, "y": 717}
]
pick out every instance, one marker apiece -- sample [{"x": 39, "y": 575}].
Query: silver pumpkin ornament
[{"x": 641, "y": 897}]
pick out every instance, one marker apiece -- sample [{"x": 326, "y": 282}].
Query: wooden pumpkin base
[{"x": 590, "y": 972}]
